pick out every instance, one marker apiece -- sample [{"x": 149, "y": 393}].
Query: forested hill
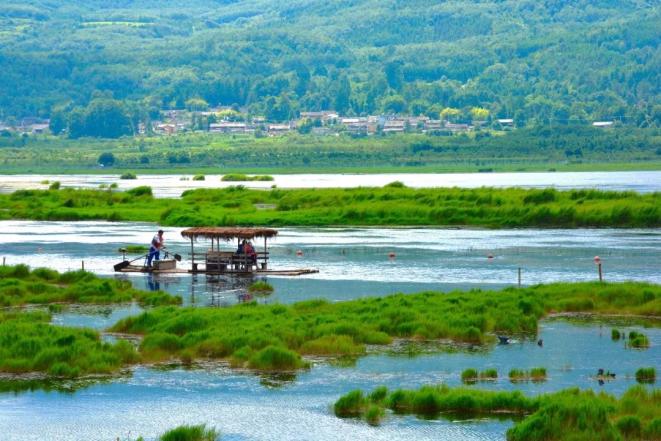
[{"x": 545, "y": 61}]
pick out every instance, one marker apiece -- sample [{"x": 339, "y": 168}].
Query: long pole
[
  {"x": 601, "y": 276},
  {"x": 519, "y": 277},
  {"x": 265, "y": 255}
]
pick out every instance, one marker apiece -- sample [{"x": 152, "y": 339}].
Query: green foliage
[
  {"x": 537, "y": 374},
  {"x": 317, "y": 327},
  {"x": 54, "y": 186},
  {"x": 568, "y": 415},
  {"x": 136, "y": 249},
  {"x": 615, "y": 334},
  {"x": 638, "y": 340},
  {"x": 497, "y": 208},
  {"x": 190, "y": 433},
  {"x": 29, "y": 343},
  {"x": 426, "y": 57},
  {"x": 128, "y": 175},
  {"x": 260, "y": 286},
  {"x": 198, "y": 178},
  {"x": 238, "y": 177},
  {"x": 20, "y": 286},
  {"x": 646, "y": 375},
  {"x": 469, "y": 376},
  {"x": 106, "y": 159}
]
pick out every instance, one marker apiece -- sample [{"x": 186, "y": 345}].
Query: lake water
[
  {"x": 248, "y": 407},
  {"x": 173, "y": 185},
  {"x": 353, "y": 262}
]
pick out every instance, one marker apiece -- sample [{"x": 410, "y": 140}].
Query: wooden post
[
  {"x": 3, "y": 261},
  {"x": 82, "y": 265},
  {"x": 266, "y": 256},
  {"x": 519, "y": 277},
  {"x": 192, "y": 254},
  {"x": 601, "y": 277}
]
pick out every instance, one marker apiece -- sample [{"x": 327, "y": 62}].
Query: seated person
[
  {"x": 241, "y": 248},
  {"x": 250, "y": 251}
]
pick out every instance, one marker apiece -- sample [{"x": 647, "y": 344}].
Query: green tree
[
  {"x": 343, "y": 96},
  {"x": 106, "y": 159}
]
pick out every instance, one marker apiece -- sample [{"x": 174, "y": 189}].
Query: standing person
[{"x": 155, "y": 247}]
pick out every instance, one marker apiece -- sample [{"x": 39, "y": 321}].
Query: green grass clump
[
  {"x": 570, "y": 415},
  {"x": 534, "y": 374},
  {"x": 29, "y": 343},
  {"x": 136, "y": 249},
  {"x": 487, "y": 207},
  {"x": 54, "y": 185},
  {"x": 190, "y": 433},
  {"x": 318, "y": 327},
  {"x": 615, "y": 334},
  {"x": 260, "y": 287},
  {"x": 198, "y": 178},
  {"x": 276, "y": 358},
  {"x": 638, "y": 340},
  {"x": 646, "y": 375},
  {"x": 20, "y": 286},
  {"x": 489, "y": 374},
  {"x": 350, "y": 405},
  {"x": 128, "y": 175},
  {"x": 238, "y": 177},
  {"x": 469, "y": 376}
]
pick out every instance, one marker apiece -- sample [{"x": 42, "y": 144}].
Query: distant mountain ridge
[{"x": 539, "y": 61}]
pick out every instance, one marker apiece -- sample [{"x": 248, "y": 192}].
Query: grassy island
[
  {"x": 30, "y": 344},
  {"x": 21, "y": 286},
  {"x": 391, "y": 205},
  {"x": 566, "y": 415},
  {"x": 274, "y": 337}
]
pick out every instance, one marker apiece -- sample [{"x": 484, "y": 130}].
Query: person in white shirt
[{"x": 155, "y": 247}]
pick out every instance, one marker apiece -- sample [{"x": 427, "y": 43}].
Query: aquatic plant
[
  {"x": 566, "y": 415},
  {"x": 20, "y": 286},
  {"x": 638, "y": 340},
  {"x": 54, "y": 186},
  {"x": 198, "y": 178},
  {"x": 136, "y": 249},
  {"x": 190, "y": 433},
  {"x": 351, "y": 404},
  {"x": 318, "y": 327},
  {"x": 615, "y": 334},
  {"x": 489, "y": 374},
  {"x": 238, "y": 177},
  {"x": 260, "y": 287},
  {"x": 128, "y": 175},
  {"x": 488, "y": 207},
  {"x": 469, "y": 376},
  {"x": 535, "y": 374},
  {"x": 646, "y": 375},
  {"x": 29, "y": 343}
]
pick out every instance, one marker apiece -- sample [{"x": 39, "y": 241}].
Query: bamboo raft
[{"x": 215, "y": 261}]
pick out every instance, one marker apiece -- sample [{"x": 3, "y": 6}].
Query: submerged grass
[
  {"x": 19, "y": 285},
  {"x": 566, "y": 415},
  {"x": 389, "y": 205},
  {"x": 29, "y": 343},
  {"x": 316, "y": 327},
  {"x": 191, "y": 433}
]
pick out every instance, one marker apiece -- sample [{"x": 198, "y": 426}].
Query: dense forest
[{"x": 552, "y": 62}]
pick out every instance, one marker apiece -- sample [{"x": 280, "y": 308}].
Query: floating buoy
[
  {"x": 392, "y": 255},
  {"x": 597, "y": 260},
  {"x": 299, "y": 252},
  {"x": 490, "y": 256}
]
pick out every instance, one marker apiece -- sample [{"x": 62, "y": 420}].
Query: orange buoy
[{"x": 299, "y": 252}]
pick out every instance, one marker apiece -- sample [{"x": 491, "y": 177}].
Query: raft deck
[{"x": 263, "y": 272}]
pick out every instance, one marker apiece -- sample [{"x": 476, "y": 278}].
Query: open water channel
[
  {"x": 174, "y": 185},
  {"x": 353, "y": 262}
]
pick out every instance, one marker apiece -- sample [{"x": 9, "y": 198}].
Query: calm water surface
[
  {"x": 353, "y": 262},
  {"x": 173, "y": 185},
  {"x": 247, "y": 407}
]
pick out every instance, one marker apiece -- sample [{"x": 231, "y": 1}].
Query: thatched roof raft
[{"x": 227, "y": 233}]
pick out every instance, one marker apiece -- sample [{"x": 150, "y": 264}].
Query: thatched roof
[{"x": 228, "y": 233}]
